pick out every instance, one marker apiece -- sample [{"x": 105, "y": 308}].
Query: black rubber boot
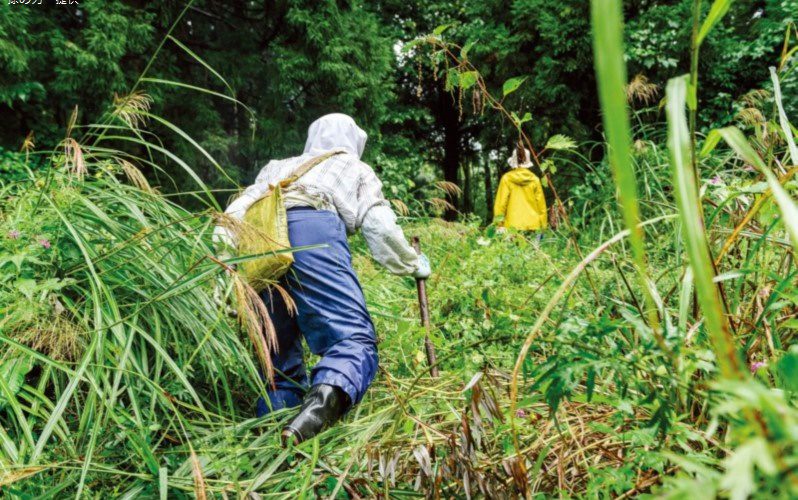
[{"x": 322, "y": 407}]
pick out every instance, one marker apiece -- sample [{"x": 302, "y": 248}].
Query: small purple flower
[
  {"x": 716, "y": 181},
  {"x": 520, "y": 413},
  {"x": 44, "y": 242},
  {"x": 13, "y": 234},
  {"x": 756, "y": 365}
]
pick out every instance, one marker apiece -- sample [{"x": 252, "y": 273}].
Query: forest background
[{"x": 292, "y": 61}]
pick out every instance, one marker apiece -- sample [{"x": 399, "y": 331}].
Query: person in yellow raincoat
[{"x": 520, "y": 203}]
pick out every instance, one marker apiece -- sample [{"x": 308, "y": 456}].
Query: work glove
[{"x": 424, "y": 269}]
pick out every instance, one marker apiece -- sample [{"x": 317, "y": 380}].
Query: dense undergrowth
[
  {"x": 123, "y": 376},
  {"x": 646, "y": 349}
]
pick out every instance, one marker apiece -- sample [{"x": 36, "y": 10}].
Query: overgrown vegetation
[{"x": 647, "y": 346}]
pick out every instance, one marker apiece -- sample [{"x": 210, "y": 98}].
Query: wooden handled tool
[{"x": 423, "y": 306}]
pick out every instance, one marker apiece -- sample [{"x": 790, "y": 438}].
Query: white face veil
[{"x": 335, "y": 131}]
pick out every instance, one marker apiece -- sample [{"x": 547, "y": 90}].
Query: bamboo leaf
[
  {"x": 783, "y": 121},
  {"x": 716, "y": 12},
  {"x": 710, "y": 143},
  {"x": 512, "y": 85}
]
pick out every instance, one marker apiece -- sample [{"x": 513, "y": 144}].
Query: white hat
[{"x": 513, "y": 160}]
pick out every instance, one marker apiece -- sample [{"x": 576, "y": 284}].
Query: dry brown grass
[
  {"x": 450, "y": 188},
  {"x": 466, "y": 454},
  {"x": 135, "y": 176},
  {"x": 57, "y": 337},
  {"x": 254, "y": 318},
  {"x": 750, "y": 116},
  {"x": 755, "y": 98},
  {"x": 400, "y": 207},
  {"x": 440, "y": 205},
  {"x": 132, "y": 109},
  {"x": 73, "y": 154},
  {"x": 641, "y": 90}
]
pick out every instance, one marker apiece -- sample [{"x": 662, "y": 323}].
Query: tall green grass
[
  {"x": 682, "y": 94},
  {"x": 121, "y": 375}
]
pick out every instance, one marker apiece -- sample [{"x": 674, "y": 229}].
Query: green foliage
[
  {"x": 122, "y": 375},
  {"x": 12, "y": 167},
  {"x": 292, "y": 61}
]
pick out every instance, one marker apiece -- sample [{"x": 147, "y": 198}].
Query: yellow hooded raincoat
[{"x": 521, "y": 201}]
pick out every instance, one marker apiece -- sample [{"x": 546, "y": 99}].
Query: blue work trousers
[{"x": 330, "y": 314}]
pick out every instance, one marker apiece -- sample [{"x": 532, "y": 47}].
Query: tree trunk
[
  {"x": 452, "y": 142},
  {"x": 468, "y": 190},
  {"x": 488, "y": 190}
]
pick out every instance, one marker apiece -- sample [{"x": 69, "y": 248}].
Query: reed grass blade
[{"x": 690, "y": 212}]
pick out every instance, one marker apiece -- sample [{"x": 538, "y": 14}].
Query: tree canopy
[{"x": 289, "y": 61}]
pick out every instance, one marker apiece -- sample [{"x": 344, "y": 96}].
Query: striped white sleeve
[{"x": 377, "y": 222}]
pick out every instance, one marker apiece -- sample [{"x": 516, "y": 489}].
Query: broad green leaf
[
  {"x": 512, "y": 85},
  {"x": 466, "y": 48},
  {"x": 559, "y": 142},
  {"x": 438, "y": 31},
  {"x": 26, "y": 287},
  {"x": 787, "y": 366},
  {"x": 610, "y": 63},
  {"x": 467, "y": 79},
  {"x": 710, "y": 143},
  {"x": 520, "y": 120},
  {"x": 716, "y": 12},
  {"x": 738, "y": 479},
  {"x": 452, "y": 80},
  {"x": 13, "y": 371}
]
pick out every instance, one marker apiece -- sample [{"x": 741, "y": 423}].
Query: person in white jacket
[{"x": 338, "y": 196}]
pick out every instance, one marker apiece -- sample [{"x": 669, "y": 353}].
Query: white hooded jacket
[{"x": 341, "y": 184}]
